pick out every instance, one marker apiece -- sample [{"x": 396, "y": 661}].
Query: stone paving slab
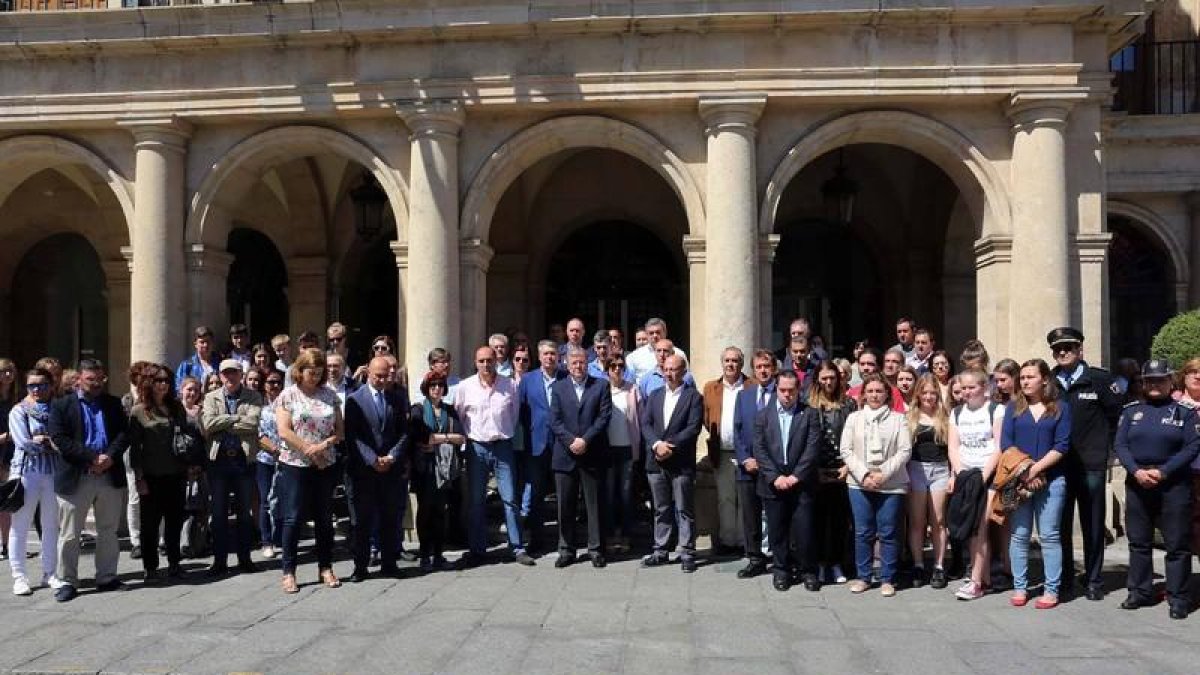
[{"x": 505, "y": 618}]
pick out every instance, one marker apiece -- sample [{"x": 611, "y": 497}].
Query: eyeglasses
[
  {"x": 337, "y": 339},
  {"x": 37, "y": 386},
  {"x": 381, "y": 348},
  {"x": 1062, "y": 349},
  {"x": 521, "y": 359},
  {"x": 616, "y": 365}
]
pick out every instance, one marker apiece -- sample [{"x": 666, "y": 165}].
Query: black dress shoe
[
  {"x": 753, "y": 569},
  {"x": 114, "y": 585},
  {"x": 1179, "y": 613},
  {"x": 217, "y": 571},
  {"x": 65, "y": 593},
  {"x": 1095, "y": 593},
  {"x": 655, "y": 560},
  {"x": 359, "y": 575},
  {"x": 782, "y": 582},
  {"x": 470, "y": 559},
  {"x": 390, "y": 571},
  {"x": 811, "y": 583},
  {"x": 938, "y": 578},
  {"x": 688, "y": 565},
  {"x": 247, "y": 567},
  {"x": 151, "y": 577},
  {"x": 564, "y": 560},
  {"x": 176, "y": 572},
  {"x": 1131, "y": 601},
  {"x": 598, "y": 561}
]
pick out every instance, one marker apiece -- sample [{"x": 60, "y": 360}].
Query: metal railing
[{"x": 1157, "y": 78}]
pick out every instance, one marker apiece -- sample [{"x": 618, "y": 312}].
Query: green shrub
[{"x": 1179, "y": 339}]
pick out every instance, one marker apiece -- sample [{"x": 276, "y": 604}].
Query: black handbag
[
  {"x": 183, "y": 444},
  {"x": 12, "y": 495}
]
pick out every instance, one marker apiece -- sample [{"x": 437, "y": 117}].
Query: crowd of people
[{"x": 891, "y": 469}]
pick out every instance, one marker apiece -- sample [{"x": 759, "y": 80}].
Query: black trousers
[
  {"x": 1085, "y": 488},
  {"x": 751, "y": 507},
  {"x": 163, "y": 505},
  {"x": 832, "y": 535},
  {"x": 567, "y": 484},
  {"x": 790, "y": 526},
  {"x": 432, "y": 505},
  {"x": 1169, "y": 506},
  {"x": 376, "y": 499}
]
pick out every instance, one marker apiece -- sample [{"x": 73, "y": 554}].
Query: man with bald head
[{"x": 376, "y": 435}]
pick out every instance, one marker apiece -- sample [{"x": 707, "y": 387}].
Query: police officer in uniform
[
  {"x": 1157, "y": 439},
  {"x": 1095, "y": 406}
]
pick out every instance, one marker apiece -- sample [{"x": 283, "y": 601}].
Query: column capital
[
  {"x": 475, "y": 253},
  {"x": 730, "y": 113},
  {"x": 992, "y": 250},
  {"x": 168, "y": 132},
  {"x": 694, "y": 248},
  {"x": 206, "y": 259},
  {"x": 767, "y": 244},
  {"x": 1038, "y": 109},
  {"x": 400, "y": 250},
  {"x": 441, "y": 117}
]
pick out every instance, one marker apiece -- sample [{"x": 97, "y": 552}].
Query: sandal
[
  {"x": 289, "y": 584},
  {"x": 330, "y": 579}
]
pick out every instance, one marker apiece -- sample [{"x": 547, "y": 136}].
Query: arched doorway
[
  {"x": 59, "y": 297},
  {"x": 854, "y": 258},
  {"x": 369, "y": 293},
  {"x": 615, "y": 274},
  {"x": 256, "y": 290},
  {"x": 1141, "y": 288}
]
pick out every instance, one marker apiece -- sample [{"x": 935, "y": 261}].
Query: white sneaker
[
  {"x": 838, "y": 576},
  {"x": 21, "y": 586},
  {"x": 52, "y": 582},
  {"x": 268, "y": 551}
]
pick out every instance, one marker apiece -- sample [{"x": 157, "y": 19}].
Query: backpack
[{"x": 992, "y": 405}]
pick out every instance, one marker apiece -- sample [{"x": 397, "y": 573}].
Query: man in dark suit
[
  {"x": 786, "y": 447},
  {"x": 88, "y": 426},
  {"x": 533, "y": 458},
  {"x": 376, "y": 435},
  {"x": 670, "y": 423},
  {"x": 580, "y": 406},
  {"x": 755, "y": 396}
]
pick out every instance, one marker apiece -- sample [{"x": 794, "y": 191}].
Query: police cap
[
  {"x": 1157, "y": 368},
  {"x": 1064, "y": 335}
]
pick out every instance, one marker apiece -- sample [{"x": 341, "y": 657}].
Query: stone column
[
  {"x": 731, "y": 275},
  {"x": 767, "y": 245},
  {"x": 1193, "y": 297},
  {"x": 1092, "y": 254},
  {"x": 117, "y": 274},
  {"x": 208, "y": 278},
  {"x": 400, "y": 250},
  {"x": 432, "y": 300},
  {"x": 701, "y": 360},
  {"x": 307, "y": 293},
  {"x": 993, "y": 269},
  {"x": 1040, "y": 290},
  {"x": 157, "y": 289},
  {"x": 475, "y": 256}
]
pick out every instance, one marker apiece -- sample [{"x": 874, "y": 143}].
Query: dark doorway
[
  {"x": 370, "y": 292},
  {"x": 619, "y": 274},
  {"x": 1141, "y": 289},
  {"x": 257, "y": 287},
  {"x": 59, "y": 302},
  {"x": 825, "y": 273}
]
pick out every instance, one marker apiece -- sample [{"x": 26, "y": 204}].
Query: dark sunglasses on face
[
  {"x": 521, "y": 359},
  {"x": 37, "y": 386},
  {"x": 380, "y": 348}
]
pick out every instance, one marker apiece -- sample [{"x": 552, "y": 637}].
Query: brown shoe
[
  {"x": 330, "y": 579},
  {"x": 858, "y": 586},
  {"x": 289, "y": 584}
]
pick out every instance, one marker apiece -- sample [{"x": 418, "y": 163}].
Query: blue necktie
[
  {"x": 762, "y": 397},
  {"x": 381, "y": 408}
]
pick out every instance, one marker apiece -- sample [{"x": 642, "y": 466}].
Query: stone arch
[
  {"x": 544, "y": 139},
  {"x": 271, "y": 147},
  {"x": 28, "y": 153},
  {"x": 961, "y": 159},
  {"x": 1157, "y": 229}
]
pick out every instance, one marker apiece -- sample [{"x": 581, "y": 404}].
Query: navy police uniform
[
  {"x": 1095, "y": 405},
  {"x": 1158, "y": 434}
]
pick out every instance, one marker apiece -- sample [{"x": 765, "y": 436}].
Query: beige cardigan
[
  {"x": 244, "y": 424},
  {"x": 897, "y": 448}
]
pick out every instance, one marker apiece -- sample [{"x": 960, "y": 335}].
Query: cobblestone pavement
[{"x": 505, "y": 618}]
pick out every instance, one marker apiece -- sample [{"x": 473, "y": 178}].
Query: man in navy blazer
[
  {"x": 580, "y": 408},
  {"x": 787, "y": 442},
  {"x": 670, "y": 424},
  {"x": 533, "y": 397},
  {"x": 376, "y": 439},
  {"x": 756, "y": 396}
]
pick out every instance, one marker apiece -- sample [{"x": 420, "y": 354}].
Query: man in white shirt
[
  {"x": 486, "y": 404},
  {"x": 643, "y": 360},
  {"x": 720, "y": 403}
]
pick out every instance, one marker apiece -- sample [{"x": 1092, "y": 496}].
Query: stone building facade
[{"x": 166, "y": 167}]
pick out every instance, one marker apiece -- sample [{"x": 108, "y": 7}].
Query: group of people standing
[{"x": 854, "y": 465}]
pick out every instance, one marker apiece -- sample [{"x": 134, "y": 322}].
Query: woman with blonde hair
[
  {"x": 928, "y": 478},
  {"x": 973, "y": 444}
]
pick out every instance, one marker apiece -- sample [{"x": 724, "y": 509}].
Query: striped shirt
[{"x": 25, "y": 421}]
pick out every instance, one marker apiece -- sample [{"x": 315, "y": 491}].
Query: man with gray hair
[
  {"x": 602, "y": 347},
  {"x": 499, "y": 344},
  {"x": 643, "y": 360}
]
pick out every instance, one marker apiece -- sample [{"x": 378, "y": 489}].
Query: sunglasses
[
  {"x": 274, "y": 383},
  {"x": 616, "y": 365},
  {"x": 37, "y": 386},
  {"x": 337, "y": 339},
  {"x": 521, "y": 359},
  {"x": 381, "y": 348}
]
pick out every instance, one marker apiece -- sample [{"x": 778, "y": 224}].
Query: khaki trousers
[{"x": 93, "y": 492}]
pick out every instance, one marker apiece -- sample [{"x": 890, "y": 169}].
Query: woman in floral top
[{"x": 309, "y": 418}]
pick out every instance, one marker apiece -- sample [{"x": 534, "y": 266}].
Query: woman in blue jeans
[
  {"x": 876, "y": 446},
  {"x": 270, "y": 520},
  {"x": 1039, "y": 424}
]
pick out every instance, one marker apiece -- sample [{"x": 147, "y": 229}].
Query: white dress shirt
[
  {"x": 670, "y": 399},
  {"x": 729, "y": 394}
]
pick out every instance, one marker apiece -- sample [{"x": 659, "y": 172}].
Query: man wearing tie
[
  {"x": 580, "y": 407},
  {"x": 533, "y": 396},
  {"x": 376, "y": 433},
  {"x": 671, "y": 421},
  {"x": 754, "y": 397},
  {"x": 786, "y": 446}
]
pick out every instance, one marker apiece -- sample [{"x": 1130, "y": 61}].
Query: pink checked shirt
[{"x": 488, "y": 413}]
